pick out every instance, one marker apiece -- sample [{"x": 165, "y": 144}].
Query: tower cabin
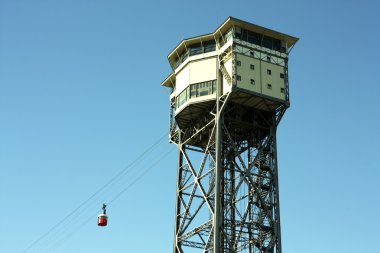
[{"x": 247, "y": 61}]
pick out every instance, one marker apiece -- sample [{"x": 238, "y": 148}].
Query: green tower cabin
[{"x": 229, "y": 91}]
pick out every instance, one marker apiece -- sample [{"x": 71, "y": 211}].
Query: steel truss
[{"x": 248, "y": 209}]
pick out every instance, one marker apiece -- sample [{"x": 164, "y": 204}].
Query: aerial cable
[
  {"x": 56, "y": 245},
  {"x": 118, "y": 175},
  {"x": 120, "y": 193},
  {"x": 138, "y": 178},
  {"x": 100, "y": 197}
]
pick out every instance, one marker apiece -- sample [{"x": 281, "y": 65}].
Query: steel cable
[
  {"x": 113, "y": 180},
  {"x": 120, "y": 193}
]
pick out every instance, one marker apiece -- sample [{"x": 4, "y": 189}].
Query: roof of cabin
[{"x": 227, "y": 24}]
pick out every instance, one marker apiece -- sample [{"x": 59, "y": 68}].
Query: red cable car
[{"x": 102, "y": 218}]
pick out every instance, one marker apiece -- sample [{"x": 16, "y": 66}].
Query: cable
[
  {"x": 118, "y": 175},
  {"x": 56, "y": 245},
  {"x": 138, "y": 178},
  {"x": 148, "y": 169}
]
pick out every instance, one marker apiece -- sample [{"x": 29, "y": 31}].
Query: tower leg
[{"x": 227, "y": 188}]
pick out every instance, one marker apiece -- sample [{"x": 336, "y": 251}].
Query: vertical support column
[
  {"x": 276, "y": 188},
  {"x": 218, "y": 168},
  {"x": 286, "y": 79},
  {"x": 250, "y": 197},
  {"x": 232, "y": 203},
  {"x": 176, "y": 248}
]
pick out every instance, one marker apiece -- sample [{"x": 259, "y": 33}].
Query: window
[
  {"x": 268, "y": 58},
  {"x": 282, "y": 75},
  {"x": 258, "y": 39},
  {"x": 252, "y": 66},
  {"x": 269, "y": 86},
  {"x": 253, "y": 37},
  {"x": 238, "y": 78},
  {"x": 269, "y": 72},
  {"x": 193, "y": 91},
  {"x": 209, "y": 46},
  {"x": 267, "y": 42},
  {"x": 238, "y": 63},
  {"x": 252, "y": 82},
  {"x": 252, "y": 53},
  {"x": 182, "y": 57},
  {"x": 181, "y": 99},
  {"x": 202, "y": 89},
  {"x": 282, "y": 90},
  {"x": 196, "y": 49}
]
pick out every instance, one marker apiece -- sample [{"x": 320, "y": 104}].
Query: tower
[{"x": 229, "y": 91}]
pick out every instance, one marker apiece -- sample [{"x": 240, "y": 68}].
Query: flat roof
[
  {"x": 227, "y": 24},
  {"x": 169, "y": 81}
]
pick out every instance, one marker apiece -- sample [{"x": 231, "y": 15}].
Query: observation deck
[{"x": 247, "y": 61}]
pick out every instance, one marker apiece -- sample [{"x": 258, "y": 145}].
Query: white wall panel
[
  {"x": 204, "y": 70},
  {"x": 182, "y": 79}
]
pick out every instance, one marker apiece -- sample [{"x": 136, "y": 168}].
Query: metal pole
[
  {"x": 218, "y": 168},
  {"x": 250, "y": 235},
  {"x": 178, "y": 204},
  {"x": 277, "y": 190}
]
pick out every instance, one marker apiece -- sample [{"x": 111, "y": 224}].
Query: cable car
[{"x": 102, "y": 218}]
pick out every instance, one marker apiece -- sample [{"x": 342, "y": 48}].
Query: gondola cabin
[{"x": 102, "y": 220}]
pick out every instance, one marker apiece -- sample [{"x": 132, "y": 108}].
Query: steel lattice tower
[{"x": 229, "y": 91}]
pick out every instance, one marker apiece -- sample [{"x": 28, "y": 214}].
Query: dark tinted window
[
  {"x": 209, "y": 46},
  {"x": 196, "y": 49},
  {"x": 259, "y": 39}
]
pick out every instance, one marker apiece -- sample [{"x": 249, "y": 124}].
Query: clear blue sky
[{"x": 80, "y": 99}]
